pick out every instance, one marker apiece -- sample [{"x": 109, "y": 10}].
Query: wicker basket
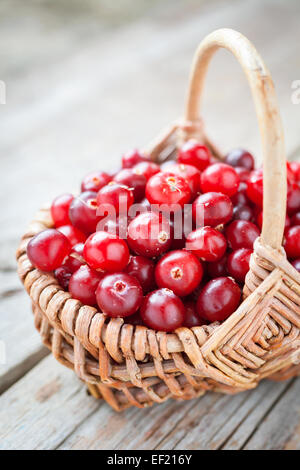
[{"x": 133, "y": 365}]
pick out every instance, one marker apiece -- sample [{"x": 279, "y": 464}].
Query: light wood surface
[{"x": 102, "y": 85}]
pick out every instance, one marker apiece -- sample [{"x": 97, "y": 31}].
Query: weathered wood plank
[{"x": 43, "y": 408}]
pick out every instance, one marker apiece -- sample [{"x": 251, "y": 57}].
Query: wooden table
[{"x": 85, "y": 83}]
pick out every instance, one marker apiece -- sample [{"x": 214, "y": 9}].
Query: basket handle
[{"x": 262, "y": 87}]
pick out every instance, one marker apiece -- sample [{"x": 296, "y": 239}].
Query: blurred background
[{"x": 87, "y": 81}]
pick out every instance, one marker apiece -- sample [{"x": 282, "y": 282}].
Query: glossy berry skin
[
  {"x": 296, "y": 264},
  {"x": 143, "y": 270},
  {"x": 60, "y": 209},
  {"x": 243, "y": 212},
  {"x": 292, "y": 242},
  {"x": 238, "y": 264},
  {"x": 73, "y": 234},
  {"x": 192, "y": 319},
  {"x": 149, "y": 234},
  {"x": 75, "y": 258},
  {"x": 119, "y": 295},
  {"x": 116, "y": 226},
  {"x": 220, "y": 178},
  {"x": 118, "y": 196},
  {"x": 212, "y": 209},
  {"x": 293, "y": 198},
  {"x": 135, "y": 181},
  {"x": 133, "y": 157},
  {"x": 83, "y": 212},
  {"x": 242, "y": 173},
  {"x": 179, "y": 271},
  {"x": 94, "y": 181},
  {"x": 83, "y": 284},
  {"x": 206, "y": 243},
  {"x": 63, "y": 275},
  {"x": 167, "y": 188},
  {"x": 255, "y": 187},
  {"x": 295, "y": 220},
  {"x": 241, "y": 234},
  {"x": 217, "y": 268},
  {"x": 48, "y": 249},
  {"x": 191, "y": 175},
  {"x": 106, "y": 252},
  {"x": 193, "y": 153},
  {"x": 295, "y": 169},
  {"x": 147, "y": 169},
  {"x": 162, "y": 310},
  {"x": 241, "y": 158},
  {"x": 218, "y": 299},
  {"x": 241, "y": 198}
]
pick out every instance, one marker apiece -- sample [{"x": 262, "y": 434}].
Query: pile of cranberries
[{"x": 164, "y": 246}]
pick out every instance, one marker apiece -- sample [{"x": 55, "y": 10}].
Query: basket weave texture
[{"x": 130, "y": 365}]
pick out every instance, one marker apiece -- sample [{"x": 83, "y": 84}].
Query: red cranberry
[
  {"x": 119, "y": 295},
  {"x": 191, "y": 175},
  {"x": 296, "y": 264},
  {"x": 149, "y": 234},
  {"x": 83, "y": 285},
  {"x": 162, "y": 310},
  {"x": 241, "y": 234},
  {"x": 243, "y": 212},
  {"x": 63, "y": 276},
  {"x": 240, "y": 157},
  {"x": 207, "y": 243},
  {"x": 220, "y": 178},
  {"x": 75, "y": 258},
  {"x": 218, "y": 299},
  {"x": 115, "y": 226},
  {"x": 292, "y": 242},
  {"x": 135, "y": 181},
  {"x": 143, "y": 270},
  {"x": 255, "y": 187},
  {"x": 134, "y": 319},
  {"x": 105, "y": 251},
  {"x": 193, "y": 153},
  {"x": 238, "y": 264},
  {"x": 73, "y": 234},
  {"x": 147, "y": 169},
  {"x": 217, "y": 268},
  {"x": 242, "y": 173},
  {"x": 117, "y": 196},
  {"x": 48, "y": 249},
  {"x": 169, "y": 189},
  {"x": 60, "y": 209},
  {"x": 83, "y": 212},
  {"x": 191, "y": 317},
  {"x": 94, "y": 181},
  {"x": 295, "y": 220},
  {"x": 179, "y": 271},
  {"x": 293, "y": 198},
  {"x": 133, "y": 157},
  {"x": 212, "y": 209},
  {"x": 241, "y": 198},
  {"x": 295, "y": 169}
]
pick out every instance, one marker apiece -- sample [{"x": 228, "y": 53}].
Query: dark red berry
[
  {"x": 106, "y": 252},
  {"x": 238, "y": 264},
  {"x": 75, "y": 258},
  {"x": 147, "y": 169},
  {"x": 149, "y": 234},
  {"x": 94, "y": 181},
  {"x": 193, "y": 153},
  {"x": 220, "y": 178},
  {"x": 115, "y": 226},
  {"x": 162, "y": 310},
  {"x": 73, "y": 234},
  {"x": 212, "y": 209},
  {"x": 218, "y": 299},
  {"x": 119, "y": 295},
  {"x": 63, "y": 275},
  {"x": 293, "y": 198},
  {"x": 133, "y": 157},
  {"x": 241, "y": 198},
  {"x": 190, "y": 173},
  {"x": 115, "y": 196},
  {"x": 169, "y": 189},
  {"x": 83, "y": 212},
  {"x": 295, "y": 169},
  {"x": 134, "y": 319},
  {"x": 179, "y": 271},
  {"x": 192, "y": 319},
  {"x": 240, "y": 157},
  {"x": 295, "y": 220},
  {"x": 242, "y": 173},
  {"x": 296, "y": 264},
  {"x": 217, "y": 268},
  {"x": 60, "y": 209},
  {"x": 241, "y": 234},
  {"x": 243, "y": 212},
  {"x": 83, "y": 284},
  {"x": 292, "y": 242},
  {"x": 135, "y": 181},
  {"x": 207, "y": 243},
  {"x": 48, "y": 249},
  {"x": 255, "y": 187},
  {"x": 143, "y": 270}
]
